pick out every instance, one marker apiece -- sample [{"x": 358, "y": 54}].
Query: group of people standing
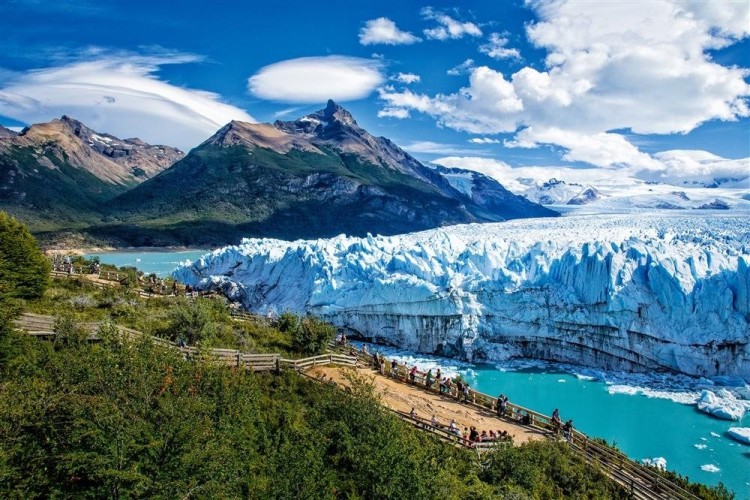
[{"x": 463, "y": 393}]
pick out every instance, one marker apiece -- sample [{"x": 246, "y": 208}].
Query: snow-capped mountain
[
  {"x": 626, "y": 194},
  {"x": 652, "y": 292}
]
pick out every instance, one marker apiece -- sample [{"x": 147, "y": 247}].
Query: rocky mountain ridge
[{"x": 317, "y": 176}]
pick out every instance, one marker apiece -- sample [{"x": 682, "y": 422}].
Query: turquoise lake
[
  {"x": 641, "y": 426},
  {"x": 160, "y": 263}
]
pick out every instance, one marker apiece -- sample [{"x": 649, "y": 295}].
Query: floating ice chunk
[
  {"x": 623, "y": 389},
  {"x": 658, "y": 462},
  {"x": 713, "y": 434},
  {"x": 741, "y": 434},
  {"x": 722, "y": 404},
  {"x": 562, "y": 380},
  {"x": 710, "y": 468},
  {"x": 701, "y": 446}
]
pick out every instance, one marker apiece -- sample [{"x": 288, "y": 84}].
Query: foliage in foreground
[{"x": 124, "y": 418}]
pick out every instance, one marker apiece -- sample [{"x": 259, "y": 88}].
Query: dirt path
[{"x": 403, "y": 397}]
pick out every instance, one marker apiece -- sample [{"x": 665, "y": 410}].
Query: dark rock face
[
  {"x": 714, "y": 205},
  {"x": 586, "y": 196}
]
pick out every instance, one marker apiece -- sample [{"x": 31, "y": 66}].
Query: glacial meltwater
[
  {"x": 160, "y": 263},
  {"x": 641, "y": 415}
]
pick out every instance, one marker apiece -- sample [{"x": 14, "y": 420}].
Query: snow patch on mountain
[{"x": 610, "y": 291}]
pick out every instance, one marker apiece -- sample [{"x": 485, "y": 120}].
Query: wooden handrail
[{"x": 40, "y": 325}]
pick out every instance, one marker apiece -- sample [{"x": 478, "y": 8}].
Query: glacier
[{"x": 638, "y": 292}]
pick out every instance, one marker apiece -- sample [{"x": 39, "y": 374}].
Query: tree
[
  {"x": 24, "y": 270},
  {"x": 313, "y": 336}
]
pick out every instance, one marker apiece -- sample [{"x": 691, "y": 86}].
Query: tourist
[
  {"x": 428, "y": 379},
  {"x": 381, "y": 364},
  {"x": 568, "y": 430},
  {"x": 454, "y": 428},
  {"x": 412, "y": 413},
  {"x": 394, "y": 368},
  {"x": 376, "y": 360},
  {"x": 465, "y": 435},
  {"x": 503, "y": 404},
  {"x": 484, "y": 437},
  {"x": 438, "y": 375},
  {"x": 434, "y": 422},
  {"x": 556, "y": 422},
  {"x": 460, "y": 389},
  {"x": 466, "y": 393},
  {"x": 412, "y": 373},
  {"x": 473, "y": 435}
]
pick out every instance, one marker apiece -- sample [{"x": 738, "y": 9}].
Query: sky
[{"x": 652, "y": 89}]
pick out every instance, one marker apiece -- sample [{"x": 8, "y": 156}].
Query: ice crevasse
[{"x": 643, "y": 292}]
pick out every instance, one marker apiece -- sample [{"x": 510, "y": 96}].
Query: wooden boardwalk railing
[
  {"x": 642, "y": 481},
  {"x": 44, "y": 326}
]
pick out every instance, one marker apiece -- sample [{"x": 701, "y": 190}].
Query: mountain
[
  {"x": 648, "y": 293},
  {"x": 61, "y": 172},
  {"x": 318, "y": 176}
]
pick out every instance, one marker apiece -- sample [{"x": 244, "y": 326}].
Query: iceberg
[
  {"x": 722, "y": 404},
  {"x": 639, "y": 292},
  {"x": 657, "y": 462},
  {"x": 741, "y": 434}
]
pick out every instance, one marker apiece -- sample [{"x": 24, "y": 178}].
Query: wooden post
[{"x": 278, "y": 366}]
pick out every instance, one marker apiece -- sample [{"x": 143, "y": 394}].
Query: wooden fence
[{"x": 44, "y": 326}]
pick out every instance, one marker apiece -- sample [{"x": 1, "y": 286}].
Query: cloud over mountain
[
  {"x": 120, "y": 94},
  {"x": 316, "y": 79}
]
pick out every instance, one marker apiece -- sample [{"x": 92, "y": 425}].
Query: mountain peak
[{"x": 335, "y": 112}]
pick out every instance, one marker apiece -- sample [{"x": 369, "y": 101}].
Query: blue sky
[{"x": 655, "y": 89}]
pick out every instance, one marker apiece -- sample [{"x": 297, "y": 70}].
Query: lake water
[
  {"x": 610, "y": 406},
  {"x": 160, "y": 263}
]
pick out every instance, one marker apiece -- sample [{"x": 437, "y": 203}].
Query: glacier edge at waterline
[{"x": 635, "y": 292}]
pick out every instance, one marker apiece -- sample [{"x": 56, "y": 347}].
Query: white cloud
[
  {"x": 601, "y": 149},
  {"x": 676, "y": 167},
  {"x": 120, "y": 95},
  {"x": 496, "y": 48},
  {"x": 384, "y": 31},
  {"x": 465, "y": 67},
  {"x": 317, "y": 79},
  {"x": 430, "y": 147},
  {"x": 447, "y": 26},
  {"x": 399, "y": 113},
  {"x": 686, "y": 166},
  {"x": 483, "y": 140},
  {"x": 488, "y": 105},
  {"x": 406, "y": 78},
  {"x": 609, "y": 67}
]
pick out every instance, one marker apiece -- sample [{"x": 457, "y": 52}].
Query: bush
[{"x": 309, "y": 335}]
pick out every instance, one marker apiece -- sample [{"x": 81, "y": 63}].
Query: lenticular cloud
[
  {"x": 119, "y": 95},
  {"x": 316, "y": 79}
]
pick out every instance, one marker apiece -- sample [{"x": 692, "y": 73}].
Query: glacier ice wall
[{"x": 614, "y": 292}]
